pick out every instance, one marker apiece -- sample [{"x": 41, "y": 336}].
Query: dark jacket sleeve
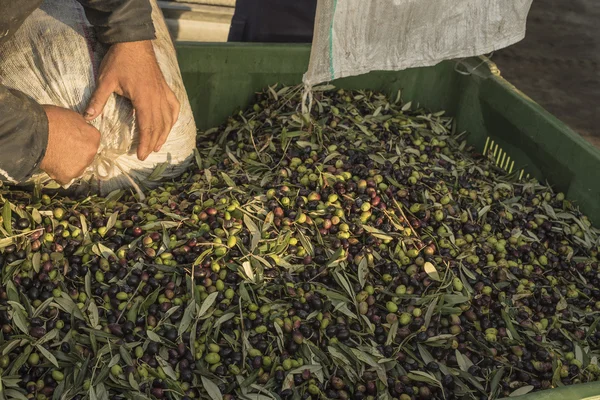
[
  {"x": 23, "y": 135},
  {"x": 120, "y": 20}
]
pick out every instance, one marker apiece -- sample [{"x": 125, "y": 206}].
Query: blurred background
[{"x": 557, "y": 64}]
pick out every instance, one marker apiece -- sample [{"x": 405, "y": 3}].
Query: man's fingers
[
  {"x": 145, "y": 139},
  {"x": 99, "y": 99},
  {"x": 93, "y": 137},
  {"x": 175, "y": 107},
  {"x": 170, "y": 118},
  {"x": 150, "y": 128},
  {"x": 167, "y": 124},
  {"x": 142, "y": 150}
]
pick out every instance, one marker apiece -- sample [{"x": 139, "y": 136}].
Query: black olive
[{"x": 23, "y": 223}]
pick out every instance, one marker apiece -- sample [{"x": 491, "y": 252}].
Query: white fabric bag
[
  {"x": 353, "y": 37},
  {"x": 54, "y": 58}
]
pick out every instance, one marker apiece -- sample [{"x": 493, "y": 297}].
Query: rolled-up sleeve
[
  {"x": 119, "y": 21},
  {"x": 23, "y": 135}
]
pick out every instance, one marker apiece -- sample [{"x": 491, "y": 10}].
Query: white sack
[
  {"x": 55, "y": 57},
  {"x": 353, "y": 37}
]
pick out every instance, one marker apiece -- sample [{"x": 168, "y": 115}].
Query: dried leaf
[
  {"x": 248, "y": 271},
  {"x": 432, "y": 271}
]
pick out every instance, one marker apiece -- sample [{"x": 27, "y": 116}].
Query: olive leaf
[
  {"x": 256, "y": 235},
  {"x": 101, "y": 392},
  {"x": 124, "y": 354},
  {"x": 154, "y": 337},
  {"x": 9, "y": 346},
  {"x": 463, "y": 362},
  {"x": 280, "y": 336},
  {"x": 208, "y": 302},
  {"x": 133, "y": 313},
  {"x": 363, "y": 271},
  {"x": 377, "y": 233},
  {"x": 48, "y": 337},
  {"x": 93, "y": 314},
  {"x": 21, "y": 359},
  {"x": 112, "y": 220},
  {"x": 498, "y": 375},
  {"x": 211, "y": 388},
  {"x": 425, "y": 354},
  {"x": 421, "y": 376},
  {"x": 188, "y": 316},
  {"x": 103, "y": 251},
  {"x": 36, "y": 262},
  {"x": 521, "y": 391},
  {"x": 228, "y": 180},
  {"x": 68, "y": 305},
  {"x": 18, "y": 316},
  {"x": 151, "y": 299},
  {"x": 167, "y": 368},
  {"x": 7, "y": 217},
  {"x": 14, "y": 394},
  {"x": 430, "y": 311},
  {"x": 392, "y": 334},
  {"x": 133, "y": 383},
  {"x": 49, "y": 356}
]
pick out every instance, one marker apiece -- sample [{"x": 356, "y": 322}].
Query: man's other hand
[
  {"x": 131, "y": 70},
  {"x": 72, "y": 144}
]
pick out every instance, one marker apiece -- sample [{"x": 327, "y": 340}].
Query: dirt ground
[{"x": 558, "y": 63}]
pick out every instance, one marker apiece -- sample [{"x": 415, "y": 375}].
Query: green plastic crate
[{"x": 222, "y": 78}]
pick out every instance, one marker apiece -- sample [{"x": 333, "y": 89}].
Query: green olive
[
  {"x": 391, "y": 307},
  {"x": 212, "y": 358},
  {"x": 34, "y": 359},
  {"x": 405, "y": 319},
  {"x": 57, "y": 375},
  {"x": 116, "y": 370}
]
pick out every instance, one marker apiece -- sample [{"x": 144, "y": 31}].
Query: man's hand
[
  {"x": 72, "y": 144},
  {"x": 131, "y": 70}
]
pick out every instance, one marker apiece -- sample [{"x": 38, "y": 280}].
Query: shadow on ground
[{"x": 558, "y": 63}]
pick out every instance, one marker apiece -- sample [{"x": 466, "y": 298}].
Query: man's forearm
[
  {"x": 119, "y": 21},
  {"x": 23, "y": 135}
]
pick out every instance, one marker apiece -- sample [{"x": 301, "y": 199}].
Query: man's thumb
[{"x": 98, "y": 100}]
